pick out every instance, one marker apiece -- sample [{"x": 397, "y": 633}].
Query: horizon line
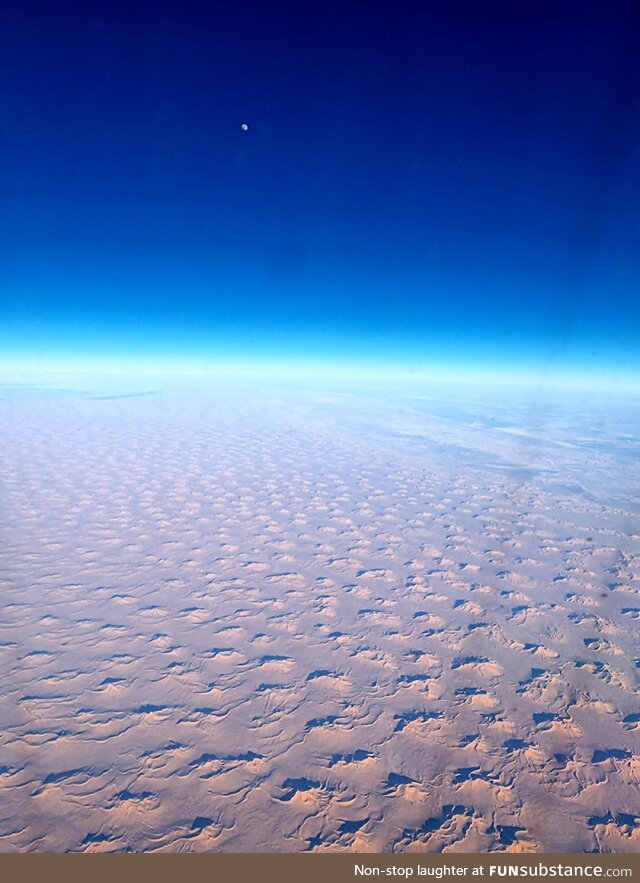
[{"x": 46, "y": 369}]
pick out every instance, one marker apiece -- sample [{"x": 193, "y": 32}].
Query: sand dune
[{"x": 285, "y": 621}]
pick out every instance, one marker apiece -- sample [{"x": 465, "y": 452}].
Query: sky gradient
[{"x": 420, "y": 182}]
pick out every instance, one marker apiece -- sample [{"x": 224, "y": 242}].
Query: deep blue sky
[{"x": 417, "y": 178}]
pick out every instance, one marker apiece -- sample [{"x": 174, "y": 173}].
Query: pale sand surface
[{"x": 282, "y": 621}]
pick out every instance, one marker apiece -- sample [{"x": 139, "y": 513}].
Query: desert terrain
[{"x": 286, "y": 620}]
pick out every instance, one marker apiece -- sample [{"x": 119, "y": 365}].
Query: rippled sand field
[{"x": 280, "y": 620}]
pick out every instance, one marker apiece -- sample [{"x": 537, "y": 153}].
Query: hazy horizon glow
[{"x": 126, "y": 371}]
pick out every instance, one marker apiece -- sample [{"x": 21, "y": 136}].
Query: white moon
[{"x": 244, "y": 127}]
